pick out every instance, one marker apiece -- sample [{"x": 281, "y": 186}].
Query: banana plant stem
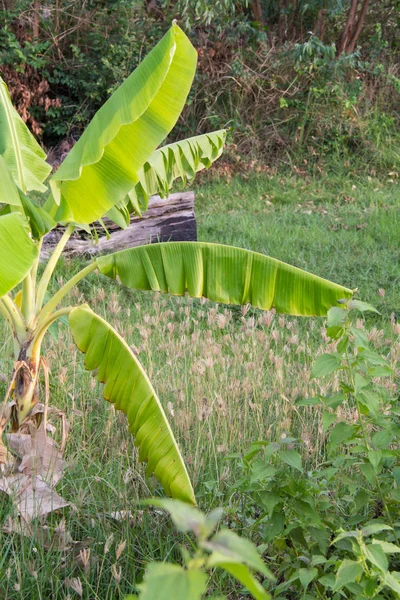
[
  {"x": 14, "y": 316},
  {"x": 4, "y": 311},
  {"x": 45, "y": 324},
  {"x": 28, "y": 298},
  {"x": 36, "y": 263},
  {"x": 63, "y": 291},
  {"x": 51, "y": 265}
]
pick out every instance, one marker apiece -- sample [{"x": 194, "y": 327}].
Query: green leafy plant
[
  {"x": 223, "y": 549},
  {"x": 111, "y": 171},
  {"x": 332, "y": 527}
]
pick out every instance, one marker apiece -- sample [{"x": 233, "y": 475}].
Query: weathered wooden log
[{"x": 167, "y": 219}]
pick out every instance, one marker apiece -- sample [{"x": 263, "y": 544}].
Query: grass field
[{"x": 226, "y": 376}]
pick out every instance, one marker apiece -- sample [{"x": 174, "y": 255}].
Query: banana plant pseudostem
[{"x": 112, "y": 170}]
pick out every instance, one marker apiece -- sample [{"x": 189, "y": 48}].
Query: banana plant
[{"x": 111, "y": 171}]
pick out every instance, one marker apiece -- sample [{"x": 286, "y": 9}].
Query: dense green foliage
[{"x": 273, "y": 71}]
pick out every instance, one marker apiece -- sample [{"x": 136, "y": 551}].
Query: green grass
[{"x": 226, "y": 376}]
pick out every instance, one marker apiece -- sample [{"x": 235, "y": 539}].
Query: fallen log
[{"x": 167, "y": 219}]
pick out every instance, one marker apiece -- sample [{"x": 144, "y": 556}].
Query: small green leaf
[
  {"x": 372, "y": 358},
  {"x": 164, "y": 581},
  {"x": 377, "y": 557},
  {"x": 392, "y": 582},
  {"x": 318, "y": 559},
  {"x": 380, "y": 372},
  {"x": 324, "y": 365},
  {"x": 270, "y": 500},
  {"x": 368, "y": 472},
  {"x": 359, "y": 382},
  {"x": 243, "y": 574},
  {"x": 308, "y": 401},
  {"x": 362, "y": 306},
  {"x": 306, "y": 576},
  {"x": 184, "y": 516},
  {"x": 360, "y": 337},
  {"x": 375, "y": 458},
  {"x": 375, "y": 528},
  {"x": 387, "y": 547},
  {"x": 348, "y": 572},
  {"x": 261, "y": 471},
  {"x": 369, "y": 402},
  {"x": 291, "y": 458},
  {"x": 327, "y": 420},
  {"x": 335, "y": 400},
  {"x": 340, "y": 433},
  {"x": 336, "y": 317},
  {"x": 227, "y": 547}
]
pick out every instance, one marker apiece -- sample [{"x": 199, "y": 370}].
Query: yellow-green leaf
[
  {"x": 223, "y": 274},
  {"x": 23, "y": 156},
  {"x": 104, "y": 164},
  {"x": 129, "y": 389},
  {"x": 181, "y": 160},
  {"x": 17, "y": 251}
]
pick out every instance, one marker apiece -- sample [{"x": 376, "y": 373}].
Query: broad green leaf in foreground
[
  {"x": 348, "y": 572},
  {"x": 187, "y": 518},
  {"x": 129, "y": 389},
  {"x": 223, "y": 274},
  {"x": 104, "y": 165},
  {"x": 164, "y": 581},
  {"x": 18, "y": 251},
  {"x": 227, "y": 546},
  {"x": 235, "y": 555},
  {"x": 23, "y": 156},
  {"x": 40, "y": 222},
  {"x": 8, "y": 190}
]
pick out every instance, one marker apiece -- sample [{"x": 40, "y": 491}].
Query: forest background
[{"x": 296, "y": 81}]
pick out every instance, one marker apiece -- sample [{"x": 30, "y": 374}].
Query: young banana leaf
[
  {"x": 23, "y": 156},
  {"x": 18, "y": 251},
  {"x": 223, "y": 274},
  {"x": 129, "y": 389},
  {"x": 104, "y": 165}
]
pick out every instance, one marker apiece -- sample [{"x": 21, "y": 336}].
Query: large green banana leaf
[
  {"x": 129, "y": 389},
  {"x": 179, "y": 160},
  {"x": 223, "y": 274},
  {"x": 17, "y": 251},
  {"x": 104, "y": 165},
  {"x": 22, "y": 154},
  {"x": 12, "y": 199},
  {"x": 8, "y": 190}
]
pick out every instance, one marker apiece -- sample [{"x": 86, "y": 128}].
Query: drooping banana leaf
[
  {"x": 23, "y": 156},
  {"x": 223, "y": 274},
  {"x": 17, "y": 251},
  {"x": 40, "y": 222},
  {"x": 104, "y": 164},
  {"x": 8, "y": 190},
  {"x": 129, "y": 389},
  {"x": 181, "y": 160}
]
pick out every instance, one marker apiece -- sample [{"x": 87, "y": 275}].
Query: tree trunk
[
  {"x": 257, "y": 11},
  {"x": 353, "y": 28},
  {"x": 319, "y": 24},
  {"x": 167, "y": 219},
  {"x": 36, "y": 7},
  {"x": 357, "y": 30}
]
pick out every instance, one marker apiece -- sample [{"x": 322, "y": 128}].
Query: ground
[{"x": 226, "y": 376}]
